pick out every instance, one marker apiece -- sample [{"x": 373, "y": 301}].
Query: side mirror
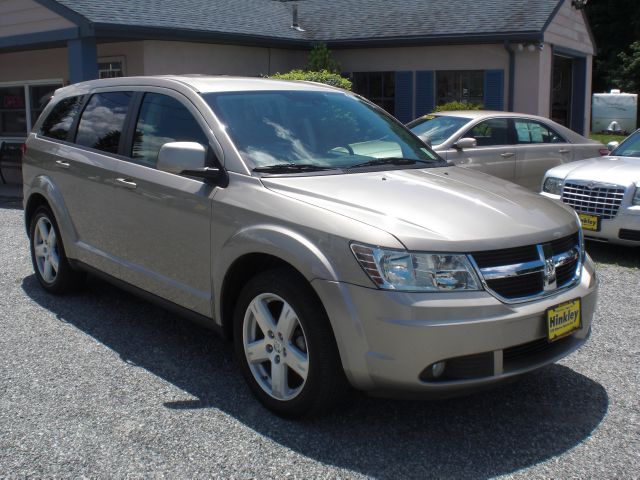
[
  {"x": 175, "y": 157},
  {"x": 466, "y": 142},
  {"x": 187, "y": 158},
  {"x": 611, "y": 146}
]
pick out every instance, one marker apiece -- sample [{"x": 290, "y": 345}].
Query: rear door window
[
  {"x": 529, "y": 131},
  {"x": 102, "y": 121},
  {"x": 59, "y": 121},
  {"x": 163, "y": 119}
]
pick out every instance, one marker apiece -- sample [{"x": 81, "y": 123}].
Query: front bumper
[
  {"x": 628, "y": 218},
  {"x": 387, "y": 339}
]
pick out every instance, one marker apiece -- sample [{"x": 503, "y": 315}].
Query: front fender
[{"x": 285, "y": 244}]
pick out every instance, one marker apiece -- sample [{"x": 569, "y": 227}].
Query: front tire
[
  {"x": 285, "y": 346},
  {"x": 50, "y": 262}
]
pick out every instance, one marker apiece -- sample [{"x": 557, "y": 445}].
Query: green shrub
[
  {"x": 451, "y": 106},
  {"x": 322, "y": 76}
]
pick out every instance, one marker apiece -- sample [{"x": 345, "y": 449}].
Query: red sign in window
[{"x": 12, "y": 101}]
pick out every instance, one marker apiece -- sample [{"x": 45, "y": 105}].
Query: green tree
[
  {"x": 320, "y": 58},
  {"x": 627, "y": 76},
  {"x": 615, "y": 25}
]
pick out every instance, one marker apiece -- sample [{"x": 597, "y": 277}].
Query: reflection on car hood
[
  {"x": 439, "y": 209},
  {"x": 615, "y": 170}
]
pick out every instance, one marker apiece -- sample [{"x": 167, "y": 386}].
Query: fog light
[{"x": 437, "y": 369}]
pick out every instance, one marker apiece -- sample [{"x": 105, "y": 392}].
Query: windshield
[
  {"x": 316, "y": 131},
  {"x": 630, "y": 147},
  {"x": 436, "y": 130}
]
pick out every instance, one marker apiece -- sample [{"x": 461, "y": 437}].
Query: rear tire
[
  {"x": 285, "y": 346},
  {"x": 50, "y": 262}
]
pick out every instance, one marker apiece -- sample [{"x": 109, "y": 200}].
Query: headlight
[
  {"x": 424, "y": 272},
  {"x": 552, "y": 185},
  {"x": 636, "y": 197}
]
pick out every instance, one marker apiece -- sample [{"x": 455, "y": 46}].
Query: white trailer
[{"x": 607, "y": 108}]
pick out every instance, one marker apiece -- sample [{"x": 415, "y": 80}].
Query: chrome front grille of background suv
[
  {"x": 533, "y": 271},
  {"x": 593, "y": 198}
]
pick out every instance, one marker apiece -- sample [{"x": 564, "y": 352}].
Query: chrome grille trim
[
  {"x": 546, "y": 266},
  {"x": 593, "y": 198}
]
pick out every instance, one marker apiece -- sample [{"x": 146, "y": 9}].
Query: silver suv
[{"x": 310, "y": 227}]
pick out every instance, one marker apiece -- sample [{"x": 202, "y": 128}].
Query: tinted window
[
  {"x": 102, "y": 121},
  {"x": 163, "y": 119},
  {"x": 59, "y": 121},
  {"x": 491, "y": 132},
  {"x": 528, "y": 131}
]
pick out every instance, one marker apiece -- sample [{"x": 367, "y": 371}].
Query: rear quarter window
[{"x": 59, "y": 121}]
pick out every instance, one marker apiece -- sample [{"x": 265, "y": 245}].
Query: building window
[
  {"x": 110, "y": 68},
  {"x": 460, "y": 86},
  {"x": 13, "y": 118},
  {"x": 378, "y": 87},
  {"x": 22, "y": 104}
]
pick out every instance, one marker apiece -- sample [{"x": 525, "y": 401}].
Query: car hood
[
  {"x": 616, "y": 170},
  {"x": 440, "y": 209}
]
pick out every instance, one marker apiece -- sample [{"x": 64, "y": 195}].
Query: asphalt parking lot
[{"x": 102, "y": 384}]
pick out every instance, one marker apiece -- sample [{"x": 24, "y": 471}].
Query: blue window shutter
[
  {"x": 404, "y": 96},
  {"x": 578, "y": 94},
  {"x": 425, "y": 98},
  {"x": 494, "y": 90}
]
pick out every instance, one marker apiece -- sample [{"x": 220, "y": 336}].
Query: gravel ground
[{"x": 102, "y": 384}]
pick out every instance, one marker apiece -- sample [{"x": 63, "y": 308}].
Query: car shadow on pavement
[
  {"x": 497, "y": 432},
  {"x": 608, "y": 253},
  {"x": 10, "y": 203}
]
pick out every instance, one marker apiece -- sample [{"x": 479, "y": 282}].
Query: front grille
[
  {"x": 517, "y": 287},
  {"x": 506, "y": 256},
  {"x": 626, "y": 234},
  {"x": 521, "y": 356},
  {"x": 601, "y": 200},
  {"x": 518, "y": 274}
]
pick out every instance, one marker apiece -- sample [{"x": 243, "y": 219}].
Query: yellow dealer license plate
[
  {"x": 590, "y": 222},
  {"x": 563, "y": 319}
]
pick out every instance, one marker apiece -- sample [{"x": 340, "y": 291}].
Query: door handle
[
  {"x": 61, "y": 164},
  {"x": 564, "y": 150},
  {"x": 507, "y": 154},
  {"x": 125, "y": 183}
]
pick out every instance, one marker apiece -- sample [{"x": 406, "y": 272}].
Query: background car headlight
[
  {"x": 552, "y": 185},
  {"x": 424, "y": 272},
  {"x": 636, "y": 197}
]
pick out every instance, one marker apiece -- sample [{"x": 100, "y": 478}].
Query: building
[{"x": 407, "y": 56}]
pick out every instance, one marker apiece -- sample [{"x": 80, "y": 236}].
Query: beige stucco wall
[
  {"x": 454, "y": 57},
  {"x": 20, "y": 17},
  {"x": 131, "y": 52},
  {"x": 162, "y": 57},
  {"x": 34, "y": 65}
]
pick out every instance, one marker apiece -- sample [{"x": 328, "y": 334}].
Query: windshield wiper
[
  {"x": 291, "y": 168},
  {"x": 388, "y": 161}
]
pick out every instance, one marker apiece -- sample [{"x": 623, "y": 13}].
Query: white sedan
[
  {"x": 514, "y": 146},
  {"x": 605, "y": 192}
]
